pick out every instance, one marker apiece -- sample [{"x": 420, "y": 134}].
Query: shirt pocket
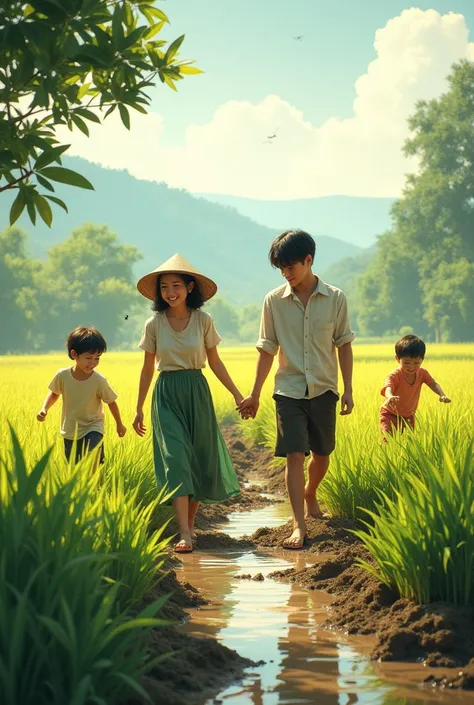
[{"x": 323, "y": 331}]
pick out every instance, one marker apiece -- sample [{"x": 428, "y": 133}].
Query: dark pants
[
  {"x": 85, "y": 445},
  {"x": 305, "y": 425}
]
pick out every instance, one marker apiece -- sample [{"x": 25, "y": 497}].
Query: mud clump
[
  {"x": 324, "y": 535},
  {"x": 258, "y": 578},
  {"x": 217, "y": 540},
  {"x": 463, "y": 679},
  {"x": 196, "y": 668},
  {"x": 182, "y": 595}
]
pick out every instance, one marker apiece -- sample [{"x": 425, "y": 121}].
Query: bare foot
[
  {"x": 312, "y": 506},
  {"x": 296, "y": 540}
]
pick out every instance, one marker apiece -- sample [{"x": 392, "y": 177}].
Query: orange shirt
[{"x": 409, "y": 393}]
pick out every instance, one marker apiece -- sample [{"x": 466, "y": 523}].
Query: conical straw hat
[{"x": 147, "y": 284}]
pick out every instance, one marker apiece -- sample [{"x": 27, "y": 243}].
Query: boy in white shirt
[{"x": 83, "y": 391}]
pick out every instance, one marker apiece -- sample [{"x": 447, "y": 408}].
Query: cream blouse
[{"x": 183, "y": 350}]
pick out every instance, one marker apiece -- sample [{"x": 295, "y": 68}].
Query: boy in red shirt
[{"x": 402, "y": 387}]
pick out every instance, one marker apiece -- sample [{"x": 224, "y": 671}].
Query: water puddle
[{"x": 280, "y": 624}]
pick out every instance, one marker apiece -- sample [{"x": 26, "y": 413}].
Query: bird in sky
[
  {"x": 270, "y": 138},
  {"x": 299, "y": 38},
  {"x": 126, "y": 317}
]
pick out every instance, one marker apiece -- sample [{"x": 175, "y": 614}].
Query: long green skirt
[{"x": 189, "y": 453}]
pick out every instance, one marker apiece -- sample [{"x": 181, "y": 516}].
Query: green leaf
[
  {"x": 18, "y": 206},
  {"x": 117, "y": 29},
  {"x": 133, "y": 38},
  {"x": 50, "y": 155},
  {"x": 169, "y": 81},
  {"x": 66, "y": 176},
  {"x": 139, "y": 108},
  {"x": 56, "y": 200},
  {"x": 79, "y": 122},
  {"x": 97, "y": 57},
  {"x": 44, "y": 209},
  {"x": 110, "y": 110},
  {"x": 173, "y": 49},
  {"x": 188, "y": 70},
  {"x": 151, "y": 12},
  {"x": 83, "y": 91},
  {"x": 125, "y": 115},
  {"x": 87, "y": 115},
  {"x": 31, "y": 211},
  {"x": 44, "y": 183},
  {"x": 153, "y": 30}
]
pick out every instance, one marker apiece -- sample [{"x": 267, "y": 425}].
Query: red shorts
[{"x": 391, "y": 422}]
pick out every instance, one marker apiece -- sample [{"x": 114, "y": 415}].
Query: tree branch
[{"x": 26, "y": 175}]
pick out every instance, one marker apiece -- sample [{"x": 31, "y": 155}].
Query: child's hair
[
  {"x": 410, "y": 346},
  {"x": 194, "y": 298},
  {"x": 290, "y": 247},
  {"x": 85, "y": 339}
]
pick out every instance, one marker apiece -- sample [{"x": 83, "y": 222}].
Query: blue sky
[
  {"x": 339, "y": 99},
  {"x": 247, "y": 50}
]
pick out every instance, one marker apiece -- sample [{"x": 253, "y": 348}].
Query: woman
[{"x": 190, "y": 456}]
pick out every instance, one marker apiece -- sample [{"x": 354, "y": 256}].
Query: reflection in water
[{"x": 280, "y": 624}]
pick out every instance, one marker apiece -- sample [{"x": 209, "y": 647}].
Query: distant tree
[
  {"x": 87, "y": 279},
  {"x": 16, "y": 274},
  {"x": 249, "y": 323},
  {"x": 424, "y": 264},
  {"x": 388, "y": 293},
  {"x": 449, "y": 301},
  {"x": 70, "y": 62},
  {"x": 225, "y": 317}
]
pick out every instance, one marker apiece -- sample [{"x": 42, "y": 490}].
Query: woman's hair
[
  {"x": 85, "y": 339},
  {"x": 194, "y": 299}
]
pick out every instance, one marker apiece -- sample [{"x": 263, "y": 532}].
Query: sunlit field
[
  {"x": 80, "y": 547},
  {"x": 24, "y": 381}
]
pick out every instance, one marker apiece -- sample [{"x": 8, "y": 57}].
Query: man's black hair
[
  {"x": 410, "y": 346},
  {"x": 85, "y": 339},
  {"x": 194, "y": 298},
  {"x": 290, "y": 247}
]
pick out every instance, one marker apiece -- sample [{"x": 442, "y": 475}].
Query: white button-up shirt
[{"x": 306, "y": 338}]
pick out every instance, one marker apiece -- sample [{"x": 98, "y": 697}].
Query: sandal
[{"x": 183, "y": 547}]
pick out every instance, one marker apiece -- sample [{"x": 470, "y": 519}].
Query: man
[{"x": 305, "y": 320}]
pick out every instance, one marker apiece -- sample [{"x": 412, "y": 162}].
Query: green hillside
[{"x": 160, "y": 221}]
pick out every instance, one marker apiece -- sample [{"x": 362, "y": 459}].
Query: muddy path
[{"x": 319, "y": 623}]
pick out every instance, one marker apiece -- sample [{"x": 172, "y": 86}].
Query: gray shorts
[
  {"x": 306, "y": 425},
  {"x": 85, "y": 445}
]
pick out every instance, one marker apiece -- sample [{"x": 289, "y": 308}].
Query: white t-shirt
[
  {"x": 82, "y": 402},
  {"x": 183, "y": 350}
]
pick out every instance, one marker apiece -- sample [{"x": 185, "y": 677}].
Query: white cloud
[{"x": 358, "y": 156}]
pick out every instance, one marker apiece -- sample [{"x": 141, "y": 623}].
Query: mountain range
[
  {"x": 224, "y": 243},
  {"x": 354, "y": 220}
]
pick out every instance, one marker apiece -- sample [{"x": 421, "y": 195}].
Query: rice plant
[
  {"x": 66, "y": 630},
  {"x": 423, "y": 539}
]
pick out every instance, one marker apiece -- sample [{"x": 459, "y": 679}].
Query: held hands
[
  {"x": 41, "y": 415},
  {"x": 391, "y": 404},
  {"x": 445, "y": 400},
  {"x": 138, "y": 426},
  {"x": 248, "y": 407}
]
